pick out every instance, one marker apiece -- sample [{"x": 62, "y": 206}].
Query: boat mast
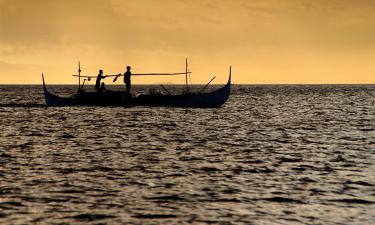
[
  {"x": 79, "y": 75},
  {"x": 186, "y": 76}
]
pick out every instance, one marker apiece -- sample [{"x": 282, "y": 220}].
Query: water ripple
[{"x": 273, "y": 154}]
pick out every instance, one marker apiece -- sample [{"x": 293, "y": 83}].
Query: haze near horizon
[{"x": 271, "y": 41}]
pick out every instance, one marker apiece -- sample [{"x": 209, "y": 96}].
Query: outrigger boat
[{"x": 120, "y": 98}]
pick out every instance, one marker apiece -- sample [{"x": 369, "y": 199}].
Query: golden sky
[{"x": 265, "y": 41}]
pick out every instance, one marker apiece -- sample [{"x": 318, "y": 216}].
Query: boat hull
[{"x": 118, "y": 98}]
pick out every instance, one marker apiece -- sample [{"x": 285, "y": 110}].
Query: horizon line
[{"x": 196, "y": 84}]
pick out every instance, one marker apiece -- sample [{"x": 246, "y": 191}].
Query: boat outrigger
[{"x": 120, "y": 98}]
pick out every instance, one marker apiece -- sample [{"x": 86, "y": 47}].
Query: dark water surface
[{"x": 272, "y": 154}]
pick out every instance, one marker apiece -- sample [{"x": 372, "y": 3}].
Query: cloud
[
  {"x": 112, "y": 32},
  {"x": 182, "y": 26},
  {"x": 50, "y": 21}
]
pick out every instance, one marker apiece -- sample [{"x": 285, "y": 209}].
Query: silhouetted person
[
  {"x": 98, "y": 79},
  {"x": 102, "y": 87},
  {"x": 127, "y": 81}
]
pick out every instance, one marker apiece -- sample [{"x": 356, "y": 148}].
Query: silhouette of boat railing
[{"x": 201, "y": 99}]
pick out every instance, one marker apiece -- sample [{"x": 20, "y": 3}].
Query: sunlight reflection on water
[{"x": 271, "y": 154}]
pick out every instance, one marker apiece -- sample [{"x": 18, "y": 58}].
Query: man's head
[
  {"x": 100, "y": 71},
  {"x": 128, "y": 68}
]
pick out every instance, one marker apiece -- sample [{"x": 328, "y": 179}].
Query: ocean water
[{"x": 273, "y": 154}]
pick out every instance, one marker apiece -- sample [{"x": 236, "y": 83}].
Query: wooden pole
[
  {"x": 204, "y": 88},
  {"x": 186, "y": 76},
  {"x": 79, "y": 75},
  {"x": 165, "y": 89}
]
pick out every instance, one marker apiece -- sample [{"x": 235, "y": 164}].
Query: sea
[{"x": 272, "y": 154}]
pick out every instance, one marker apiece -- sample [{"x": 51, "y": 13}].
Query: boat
[{"x": 201, "y": 99}]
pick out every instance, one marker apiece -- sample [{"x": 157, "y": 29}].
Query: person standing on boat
[
  {"x": 127, "y": 81},
  {"x": 100, "y": 76}
]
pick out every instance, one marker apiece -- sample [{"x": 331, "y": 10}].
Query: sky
[{"x": 265, "y": 41}]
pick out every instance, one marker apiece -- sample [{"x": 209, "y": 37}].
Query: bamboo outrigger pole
[
  {"x": 136, "y": 74},
  {"x": 133, "y": 74}
]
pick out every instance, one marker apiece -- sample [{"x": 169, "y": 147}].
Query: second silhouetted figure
[
  {"x": 127, "y": 79},
  {"x": 100, "y": 76}
]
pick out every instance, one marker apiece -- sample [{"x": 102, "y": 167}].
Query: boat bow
[{"x": 54, "y": 100}]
